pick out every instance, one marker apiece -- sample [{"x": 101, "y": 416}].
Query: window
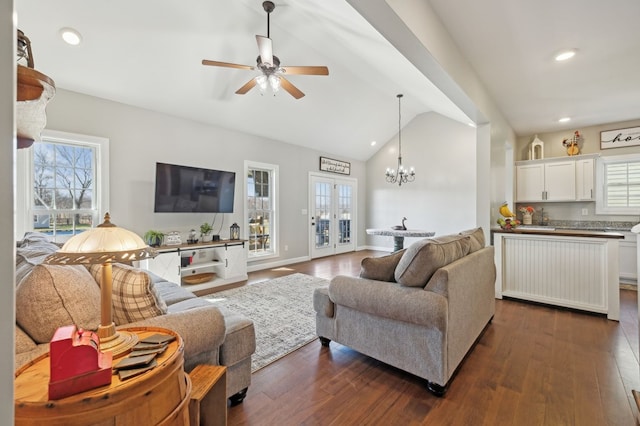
[
  {"x": 65, "y": 184},
  {"x": 261, "y": 193},
  {"x": 618, "y": 189}
]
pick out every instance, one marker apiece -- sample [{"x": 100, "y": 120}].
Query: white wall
[
  {"x": 138, "y": 138},
  {"x": 7, "y": 171},
  {"x": 421, "y": 37},
  {"x": 443, "y": 196}
]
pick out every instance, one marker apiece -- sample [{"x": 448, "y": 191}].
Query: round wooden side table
[{"x": 158, "y": 396}]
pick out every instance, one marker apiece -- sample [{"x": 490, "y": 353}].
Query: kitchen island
[{"x": 572, "y": 268}]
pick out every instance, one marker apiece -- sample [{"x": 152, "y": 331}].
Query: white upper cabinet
[
  {"x": 558, "y": 179},
  {"x": 585, "y": 179},
  {"x": 530, "y": 182}
]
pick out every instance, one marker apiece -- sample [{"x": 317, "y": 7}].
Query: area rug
[{"x": 282, "y": 313}]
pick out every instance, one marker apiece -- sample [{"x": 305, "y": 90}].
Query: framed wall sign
[
  {"x": 620, "y": 138},
  {"x": 335, "y": 166}
]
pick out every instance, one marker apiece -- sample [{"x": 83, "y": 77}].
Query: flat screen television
[{"x": 183, "y": 189}]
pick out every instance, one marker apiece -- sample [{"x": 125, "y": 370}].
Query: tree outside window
[{"x": 63, "y": 187}]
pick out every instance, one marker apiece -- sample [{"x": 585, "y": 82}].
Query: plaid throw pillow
[{"x": 134, "y": 295}]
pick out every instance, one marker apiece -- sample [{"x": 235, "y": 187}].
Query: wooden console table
[{"x": 158, "y": 396}]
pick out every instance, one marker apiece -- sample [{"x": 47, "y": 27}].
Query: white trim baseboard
[{"x": 276, "y": 264}]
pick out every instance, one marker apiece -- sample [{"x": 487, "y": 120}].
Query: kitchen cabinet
[
  {"x": 556, "y": 179},
  {"x": 585, "y": 179},
  {"x": 578, "y": 272},
  {"x": 627, "y": 256}
]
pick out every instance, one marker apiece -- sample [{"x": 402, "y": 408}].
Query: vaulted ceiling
[{"x": 148, "y": 54}]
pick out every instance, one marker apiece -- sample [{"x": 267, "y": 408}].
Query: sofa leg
[
  {"x": 324, "y": 341},
  {"x": 436, "y": 389},
  {"x": 237, "y": 398}
]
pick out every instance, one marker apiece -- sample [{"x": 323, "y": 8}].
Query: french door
[{"x": 332, "y": 215}]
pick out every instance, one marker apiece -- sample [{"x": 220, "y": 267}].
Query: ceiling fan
[{"x": 273, "y": 74}]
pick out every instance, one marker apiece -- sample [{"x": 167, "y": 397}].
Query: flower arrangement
[{"x": 527, "y": 210}]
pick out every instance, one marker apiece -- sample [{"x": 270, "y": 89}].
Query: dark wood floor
[{"x": 534, "y": 365}]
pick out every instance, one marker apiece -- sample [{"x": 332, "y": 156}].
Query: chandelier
[{"x": 400, "y": 175}]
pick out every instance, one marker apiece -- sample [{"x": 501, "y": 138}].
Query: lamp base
[{"x": 116, "y": 342}]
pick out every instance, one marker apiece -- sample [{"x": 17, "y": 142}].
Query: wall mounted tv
[{"x": 182, "y": 189}]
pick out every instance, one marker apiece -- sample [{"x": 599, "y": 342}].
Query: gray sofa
[
  {"x": 420, "y": 309},
  {"x": 49, "y": 296}
]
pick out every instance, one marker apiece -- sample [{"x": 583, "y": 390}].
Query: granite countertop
[
  {"x": 550, "y": 230},
  {"x": 592, "y": 225}
]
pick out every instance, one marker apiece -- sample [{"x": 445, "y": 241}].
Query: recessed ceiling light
[
  {"x": 71, "y": 36},
  {"x": 472, "y": 124},
  {"x": 373, "y": 143},
  {"x": 565, "y": 54},
  {"x": 564, "y": 119}
]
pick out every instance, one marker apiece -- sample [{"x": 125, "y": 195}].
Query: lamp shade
[{"x": 105, "y": 243}]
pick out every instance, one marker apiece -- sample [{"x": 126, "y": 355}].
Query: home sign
[{"x": 620, "y": 138}]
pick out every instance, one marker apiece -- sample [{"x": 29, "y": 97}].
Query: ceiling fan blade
[
  {"x": 305, "y": 70},
  {"x": 226, "y": 64},
  {"x": 293, "y": 90},
  {"x": 265, "y": 48},
  {"x": 248, "y": 86}
]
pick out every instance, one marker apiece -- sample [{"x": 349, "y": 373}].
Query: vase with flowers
[{"x": 527, "y": 215}]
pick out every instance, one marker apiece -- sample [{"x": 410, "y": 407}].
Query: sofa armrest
[
  {"x": 389, "y": 300},
  {"x": 202, "y": 328},
  {"x": 468, "y": 284}
]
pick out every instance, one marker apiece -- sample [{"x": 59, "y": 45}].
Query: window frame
[
  {"x": 274, "y": 171},
  {"x": 601, "y": 164},
  {"x": 24, "y": 178}
]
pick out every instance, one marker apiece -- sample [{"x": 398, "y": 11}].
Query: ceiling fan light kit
[{"x": 271, "y": 73}]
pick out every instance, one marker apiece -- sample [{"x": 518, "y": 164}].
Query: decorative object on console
[
  {"x": 401, "y": 175},
  {"x": 173, "y": 239},
  {"x": 153, "y": 238},
  {"x": 104, "y": 245},
  {"x": 400, "y": 227},
  {"x": 536, "y": 149},
  {"x": 572, "y": 143},
  {"x": 76, "y": 363},
  {"x": 192, "y": 237},
  {"x": 205, "y": 231},
  {"x": 272, "y": 74},
  {"x": 234, "y": 232},
  {"x": 34, "y": 90}
]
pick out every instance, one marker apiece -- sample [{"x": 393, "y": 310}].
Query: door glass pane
[
  {"x": 323, "y": 214},
  {"x": 344, "y": 214}
]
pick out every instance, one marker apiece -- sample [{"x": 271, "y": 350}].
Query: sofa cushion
[
  {"x": 172, "y": 293},
  {"x": 31, "y": 251},
  {"x": 424, "y": 257},
  {"x": 52, "y": 296},
  {"x": 24, "y": 343},
  {"x": 380, "y": 268},
  {"x": 476, "y": 241},
  {"x": 134, "y": 296}
]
